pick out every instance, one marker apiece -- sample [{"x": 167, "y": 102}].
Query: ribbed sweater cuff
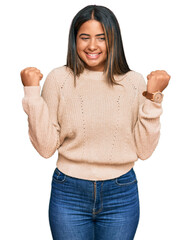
[
  {"x": 151, "y": 109},
  {"x": 32, "y": 91}
]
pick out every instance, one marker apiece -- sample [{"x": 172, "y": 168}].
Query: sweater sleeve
[
  {"x": 42, "y": 116},
  {"x": 147, "y": 127}
]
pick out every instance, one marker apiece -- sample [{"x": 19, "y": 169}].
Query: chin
[{"x": 96, "y": 66}]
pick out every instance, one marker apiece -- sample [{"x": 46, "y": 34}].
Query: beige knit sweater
[{"x": 99, "y": 131}]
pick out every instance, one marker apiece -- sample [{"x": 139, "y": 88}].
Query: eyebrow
[{"x": 97, "y": 35}]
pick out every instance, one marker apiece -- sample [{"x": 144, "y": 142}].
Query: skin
[
  {"x": 157, "y": 81},
  {"x": 31, "y": 76},
  {"x": 90, "y": 40}
]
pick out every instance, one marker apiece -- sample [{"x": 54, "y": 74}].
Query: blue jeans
[{"x": 82, "y": 209}]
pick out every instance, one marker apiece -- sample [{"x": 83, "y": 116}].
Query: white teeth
[{"x": 93, "y": 54}]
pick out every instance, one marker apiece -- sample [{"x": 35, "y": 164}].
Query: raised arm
[
  {"x": 42, "y": 111},
  {"x": 147, "y": 128}
]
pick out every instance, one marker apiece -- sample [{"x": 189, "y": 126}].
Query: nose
[{"x": 92, "y": 45}]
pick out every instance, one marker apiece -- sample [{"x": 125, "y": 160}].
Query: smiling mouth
[{"x": 92, "y": 55}]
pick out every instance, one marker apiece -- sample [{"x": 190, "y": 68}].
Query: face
[{"x": 91, "y": 45}]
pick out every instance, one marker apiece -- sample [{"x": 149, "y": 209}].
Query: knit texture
[{"x": 98, "y": 130}]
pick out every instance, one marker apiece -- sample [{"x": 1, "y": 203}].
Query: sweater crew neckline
[{"x": 94, "y": 75}]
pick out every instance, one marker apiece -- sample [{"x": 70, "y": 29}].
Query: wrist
[
  {"x": 155, "y": 96},
  {"x": 31, "y": 85}
]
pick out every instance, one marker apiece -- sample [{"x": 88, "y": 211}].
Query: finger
[
  {"x": 166, "y": 75},
  {"x": 37, "y": 70},
  {"x": 169, "y": 77},
  {"x": 41, "y": 76},
  {"x": 164, "y": 71}
]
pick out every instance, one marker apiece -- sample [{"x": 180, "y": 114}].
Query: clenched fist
[
  {"x": 157, "y": 81},
  {"x": 31, "y": 76}
]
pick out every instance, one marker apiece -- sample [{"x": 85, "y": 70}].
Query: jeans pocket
[
  {"x": 58, "y": 176},
  {"x": 126, "y": 179}
]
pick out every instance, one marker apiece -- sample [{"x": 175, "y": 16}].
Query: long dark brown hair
[{"x": 116, "y": 62}]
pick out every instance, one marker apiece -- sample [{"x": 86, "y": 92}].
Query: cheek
[
  {"x": 79, "y": 49},
  {"x": 105, "y": 51},
  {"x": 80, "y": 45},
  {"x": 104, "y": 48}
]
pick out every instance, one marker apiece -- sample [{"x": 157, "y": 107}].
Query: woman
[{"x": 101, "y": 117}]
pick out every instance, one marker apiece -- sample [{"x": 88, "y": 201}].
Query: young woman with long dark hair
[{"x": 101, "y": 116}]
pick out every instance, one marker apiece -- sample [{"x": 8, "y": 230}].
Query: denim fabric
[{"x": 82, "y": 209}]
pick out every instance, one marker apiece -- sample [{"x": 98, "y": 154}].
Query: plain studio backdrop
[{"x": 156, "y": 36}]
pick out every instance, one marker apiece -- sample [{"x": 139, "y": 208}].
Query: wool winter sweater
[{"x": 98, "y": 130}]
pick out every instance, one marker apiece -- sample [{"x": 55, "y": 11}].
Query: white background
[{"x": 156, "y": 36}]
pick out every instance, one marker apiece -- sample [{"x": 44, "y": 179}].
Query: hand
[
  {"x": 157, "y": 81},
  {"x": 31, "y": 76}
]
